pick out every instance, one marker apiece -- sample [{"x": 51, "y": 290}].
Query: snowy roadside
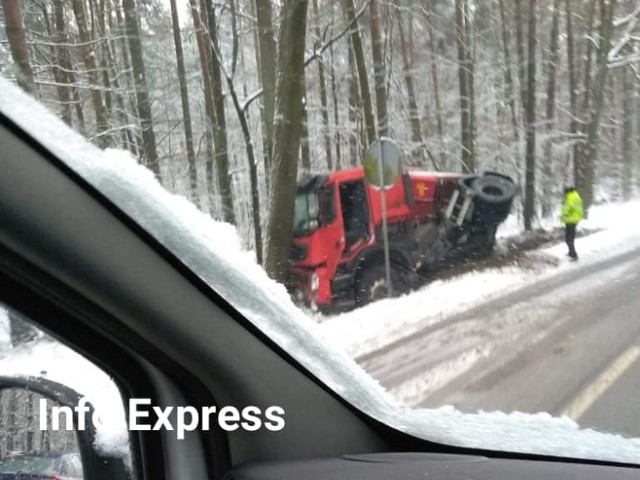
[{"x": 375, "y": 326}]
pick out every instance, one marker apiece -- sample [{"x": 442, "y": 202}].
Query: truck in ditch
[{"x": 337, "y": 256}]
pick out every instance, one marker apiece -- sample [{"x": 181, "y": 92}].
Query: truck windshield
[{"x": 306, "y": 212}]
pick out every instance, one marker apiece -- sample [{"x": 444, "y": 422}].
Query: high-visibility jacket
[{"x": 572, "y": 211}]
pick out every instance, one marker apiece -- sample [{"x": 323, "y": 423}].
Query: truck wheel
[
  {"x": 372, "y": 284},
  {"x": 493, "y": 189}
]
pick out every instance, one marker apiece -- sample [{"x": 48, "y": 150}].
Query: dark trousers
[{"x": 570, "y": 238}]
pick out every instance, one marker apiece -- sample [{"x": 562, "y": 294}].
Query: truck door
[
  {"x": 333, "y": 241},
  {"x": 355, "y": 214}
]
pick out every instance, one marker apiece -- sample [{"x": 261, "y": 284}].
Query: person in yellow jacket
[{"x": 572, "y": 213}]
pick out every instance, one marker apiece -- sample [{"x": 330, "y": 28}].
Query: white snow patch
[{"x": 194, "y": 238}]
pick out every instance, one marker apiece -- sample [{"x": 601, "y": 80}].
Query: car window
[
  {"x": 40, "y": 431},
  {"x": 483, "y": 294}
]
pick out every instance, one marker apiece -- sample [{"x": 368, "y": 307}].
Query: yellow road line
[{"x": 587, "y": 397}]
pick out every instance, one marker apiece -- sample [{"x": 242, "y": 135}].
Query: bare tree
[
  {"x": 132, "y": 29},
  {"x": 434, "y": 68},
  {"x": 530, "y": 120},
  {"x": 18, "y": 43},
  {"x": 266, "y": 53},
  {"x": 287, "y": 132},
  {"x": 627, "y": 133},
  {"x": 572, "y": 79},
  {"x": 585, "y": 173},
  {"x": 465, "y": 92},
  {"x": 61, "y": 67},
  {"x": 220, "y": 125},
  {"x": 324, "y": 107},
  {"x": 508, "y": 78},
  {"x": 377, "y": 50},
  {"x": 551, "y": 65},
  {"x": 414, "y": 115},
  {"x": 89, "y": 57},
  {"x": 184, "y": 99},
  {"x": 361, "y": 67}
]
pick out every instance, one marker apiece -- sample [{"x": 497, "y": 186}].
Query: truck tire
[
  {"x": 494, "y": 189},
  {"x": 372, "y": 284}
]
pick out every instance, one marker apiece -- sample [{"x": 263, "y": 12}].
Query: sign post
[{"x": 382, "y": 167}]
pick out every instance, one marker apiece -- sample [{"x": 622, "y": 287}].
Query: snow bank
[{"x": 210, "y": 250}]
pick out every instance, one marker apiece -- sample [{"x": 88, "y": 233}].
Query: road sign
[
  {"x": 385, "y": 156},
  {"x": 382, "y": 166}
]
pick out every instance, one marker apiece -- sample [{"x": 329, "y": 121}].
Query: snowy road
[{"x": 544, "y": 347}]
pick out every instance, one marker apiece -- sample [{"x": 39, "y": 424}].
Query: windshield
[
  {"x": 499, "y": 274},
  {"x": 306, "y": 208}
]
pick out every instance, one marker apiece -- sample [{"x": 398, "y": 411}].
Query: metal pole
[{"x": 383, "y": 208}]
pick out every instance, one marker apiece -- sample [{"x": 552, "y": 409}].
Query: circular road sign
[{"x": 386, "y": 155}]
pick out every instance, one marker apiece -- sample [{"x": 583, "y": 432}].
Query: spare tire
[{"x": 494, "y": 189}]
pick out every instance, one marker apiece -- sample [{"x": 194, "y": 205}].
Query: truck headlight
[{"x": 315, "y": 282}]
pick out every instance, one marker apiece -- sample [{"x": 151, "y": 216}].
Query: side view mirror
[{"x": 47, "y": 432}]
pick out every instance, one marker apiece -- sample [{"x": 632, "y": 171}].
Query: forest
[{"x": 230, "y": 102}]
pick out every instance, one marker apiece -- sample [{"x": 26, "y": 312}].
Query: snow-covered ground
[{"x": 368, "y": 329}]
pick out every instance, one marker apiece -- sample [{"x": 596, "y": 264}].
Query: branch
[
  {"x": 632, "y": 16},
  {"x": 317, "y": 53}
]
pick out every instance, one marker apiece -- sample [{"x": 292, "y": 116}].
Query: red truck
[{"x": 337, "y": 253}]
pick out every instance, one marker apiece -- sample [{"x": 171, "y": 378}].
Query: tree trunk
[
  {"x": 99, "y": 31},
  {"x": 627, "y": 134},
  {"x": 220, "y": 125},
  {"x": 470, "y": 47},
  {"x": 508, "y": 79},
  {"x": 434, "y": 69},
  {"x": 305, "y": 153},
  {"x": 585, "y": 175},
  {"x": 266, "y": 50},
  {"x": 336, "y": 110},
  {"x": 547, "y": 181},
  {"x": 184, "y": 98},
  {"x": 253, "y": 171},
  {"x": 530, "y": 119},
  {"x": 522, "y": 66},
  {"x": 354, "y": 109},
  {"x": 89, "y": 57},
  {"x": 463, "y": 80},
  {"x": 377, "y": 50},
  {"x": 572, "y": 77},
  {"x": 583, "y": 111},
  {"x": 324, "y": 107},
  {"x": 414, "y": 115},
  {"x": 361, "y": 67},
  {"x": 287, "y": 132},
  {"x": 203, "y": 53},
  {"x": 18, "y": 44},
  {"x": 149, "y": 152},
  {"x": 60, "y": 69}
]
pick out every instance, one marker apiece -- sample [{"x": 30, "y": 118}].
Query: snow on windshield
[{"x": 213, "y": 251}]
